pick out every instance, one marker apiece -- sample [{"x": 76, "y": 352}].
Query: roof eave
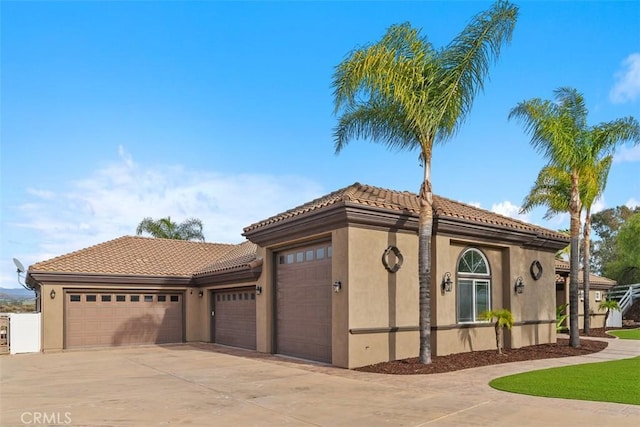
[
  {"x": 328, "y": 218},
  {"x": 309, "y": 223},
  {"x": 233, "y": 275},
  {"x": 496, "y": 232},
  {"x": 107, "y": 279}
]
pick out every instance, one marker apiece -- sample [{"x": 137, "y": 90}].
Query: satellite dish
[
  {"x": 19, "y": 265},
  {"x": 20, "y": 269}
]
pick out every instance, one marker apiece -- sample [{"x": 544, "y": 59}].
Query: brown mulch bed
[
  {"x": 475, "y": 359},
  {"x": 597, "y": 333}
]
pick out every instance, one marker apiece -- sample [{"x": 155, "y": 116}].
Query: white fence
[
  {"x": 24, "y": 332},
  {"x": 626, "y": 295},
  {"x": 615, "y": 319}
]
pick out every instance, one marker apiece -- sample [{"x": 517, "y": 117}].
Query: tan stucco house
[
  {"x": 333, "y": 280},
  {"x": 598, "y": 288}
]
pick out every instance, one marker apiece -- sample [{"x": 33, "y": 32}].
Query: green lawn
[
  {"x": 616, "y": 381},
  {"x": 627, "y": 334}
]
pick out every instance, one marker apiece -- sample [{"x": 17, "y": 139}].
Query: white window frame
[
  {"x": 598, "y": 296},
  {"x": 475, "y": 279}
]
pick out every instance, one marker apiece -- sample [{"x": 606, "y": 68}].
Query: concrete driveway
[{"x": 208, "y": 385}]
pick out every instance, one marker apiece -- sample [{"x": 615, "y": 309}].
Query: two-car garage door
[{"x": 103, "y": 319}]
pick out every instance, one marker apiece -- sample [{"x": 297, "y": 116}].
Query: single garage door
[
  {"x": 103, "y": 319},
  {"x": 303, "y": 302},
  {"x": 234, "y": 317}
]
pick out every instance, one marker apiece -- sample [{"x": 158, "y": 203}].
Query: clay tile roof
[
  {"x": 593, "y": 280},
  {"x": 130, "y": 255},
  {"x": 563, "y": 267},
  {"x": 404, "y": 201},
  {"x": 238, "y": 257},
  {"x": 452, "y": 209},
  {"x": 599, "y": 280},
  {"x": 356, "y": 194}
]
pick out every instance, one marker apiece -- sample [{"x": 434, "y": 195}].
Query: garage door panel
[
  {"x": 303, "y": 302},
  {"x": 235, "y": 318},
  {"x": 106, "y": 319}
]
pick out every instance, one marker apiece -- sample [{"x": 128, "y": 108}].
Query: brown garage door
[
  {"x": 303, "y": 302},
  {"x": 102, "y": 319},
  {"x": 234, "y": 320}
]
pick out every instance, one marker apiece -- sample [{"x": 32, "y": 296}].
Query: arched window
[{"x": 474, "y": 286}]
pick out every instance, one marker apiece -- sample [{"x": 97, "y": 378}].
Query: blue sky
[{"x": 115, "y": 111}]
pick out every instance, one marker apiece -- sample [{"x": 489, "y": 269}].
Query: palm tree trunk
[
  {"x": 586, "y": 266},
  {"x": 424, "y": 262},
  {"x": 574, "y": 210},
  {"x": 499, "y": 337}
]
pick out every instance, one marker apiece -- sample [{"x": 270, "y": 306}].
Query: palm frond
[
  {"x": 190, "y": 229},
  {"x": 430, "y": 91},
  {"x": 464, "y": 64},
  {"x": 593, "y": 180},
  {"x": 552, "y": 189},
  {"x": 164, "y": 228},
  {"x": 557, "y": 129},
  {"x": 607, "y": 136},
  {"x": 394, "y": 68},
  {"x": 383, "y": 124}
]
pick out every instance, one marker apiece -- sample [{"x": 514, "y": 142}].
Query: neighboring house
[
  {"x": 334, "y": 280},
  {"x": 598, "y": 287}
]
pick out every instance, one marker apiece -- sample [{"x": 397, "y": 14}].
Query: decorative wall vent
[
  {"x": 388, "y": 256},
  {"x": 536, "y": 270}
]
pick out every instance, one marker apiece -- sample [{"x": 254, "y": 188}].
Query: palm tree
[
  {"x": 553, "y": 189},
  {"x": 608, "y": 305},
  {"x": 561, "y": 316},
  {"x": 190, "y": 229},
  {"x": 559, "y": 131},
  {"x": 593, "y": 181},
  {"x": 405, "y": 94},
  {"x": 504, "y": 318}
]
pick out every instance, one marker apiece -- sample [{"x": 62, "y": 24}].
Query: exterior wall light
[
  {"x": 446, "y": 282},
  {"x": 258, "y": 290},
  {"x": 52, "y": 294},
  {"x": 519, "y": 285},
  {"x": 201, "y": 293},
  {"x": 337, "y": 285}
]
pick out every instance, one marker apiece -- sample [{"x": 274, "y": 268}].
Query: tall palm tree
[
  {"x": 405, "y": 94},
  {"x": 593, "y": 181},
  {"x": 552, "y": 188},
  {"x": 190, "y": 229},
  {"x": 559, "y": 131}
]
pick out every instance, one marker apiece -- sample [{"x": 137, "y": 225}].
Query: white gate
[
  {"x": 23, "y": 334},
  {"x": 615, "y": 319}
]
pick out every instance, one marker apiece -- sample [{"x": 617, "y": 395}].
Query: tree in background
[
  {"x": 164, "y": 228},
  {"x": 606, "y": 224},
  {"x": 560, "y": 132},
  {"x": 626, "y": 267},
  {"x": 405, "y": 94}
]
